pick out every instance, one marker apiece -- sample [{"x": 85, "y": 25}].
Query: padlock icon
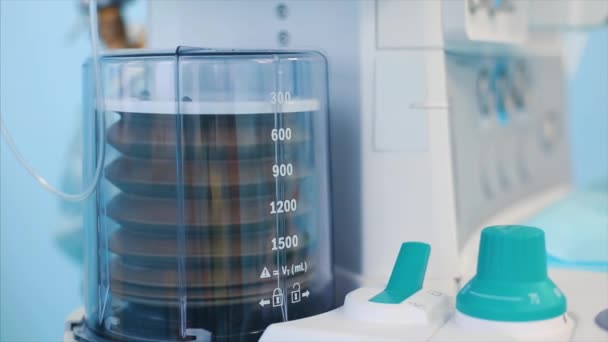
[
  {"x": 277, "y": 297},
  {"x": 296, "y": 296}
]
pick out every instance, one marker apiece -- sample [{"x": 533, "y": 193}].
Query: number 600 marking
[{"x": 280, "y": 134}]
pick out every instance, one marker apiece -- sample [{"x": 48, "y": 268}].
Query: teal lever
[{"x": 408, "y": 273}]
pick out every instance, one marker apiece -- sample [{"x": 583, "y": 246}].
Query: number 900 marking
[{"x": 282, "y": 170}]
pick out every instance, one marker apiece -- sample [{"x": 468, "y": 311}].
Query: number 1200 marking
[{"x": 283, "y": 206}]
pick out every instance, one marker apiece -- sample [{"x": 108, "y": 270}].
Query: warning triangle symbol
[{"x": 265, "y": 273}]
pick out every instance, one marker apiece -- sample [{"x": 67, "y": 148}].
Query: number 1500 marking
[{"x": 284, "y": 242}]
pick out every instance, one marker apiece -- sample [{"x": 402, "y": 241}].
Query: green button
[
  {"x": 511, "y": 283},
  {"x": 408, "y": 273}
]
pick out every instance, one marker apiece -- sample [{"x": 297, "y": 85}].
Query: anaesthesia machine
[{"x": 332, "y": 177}]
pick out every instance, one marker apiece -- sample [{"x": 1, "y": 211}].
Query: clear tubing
[{"x": 90, "y": 188}]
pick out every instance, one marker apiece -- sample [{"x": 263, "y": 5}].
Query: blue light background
[
  {"x": 40, "y": 86},
  {"x": 40, "y": 96},
  {"x": 588, "y": 109}
]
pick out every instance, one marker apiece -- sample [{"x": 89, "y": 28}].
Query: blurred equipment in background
[{"x": 113, "y": 30}]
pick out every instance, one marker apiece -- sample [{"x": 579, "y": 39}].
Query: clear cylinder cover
[{"x": 212, "y": 217}]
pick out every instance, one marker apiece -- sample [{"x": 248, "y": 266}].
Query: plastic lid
[
  {"x": 212, "y": 82},
  {"x": 511, "y": 283}
]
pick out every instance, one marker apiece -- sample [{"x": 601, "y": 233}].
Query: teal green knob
[
  {"x": 511, "y": 283},
  {"x": 408, "y": 273}
]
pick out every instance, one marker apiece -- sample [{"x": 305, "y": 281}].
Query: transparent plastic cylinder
[{"x": 212, "y": 217}]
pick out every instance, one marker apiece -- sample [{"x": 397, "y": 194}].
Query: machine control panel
[
  {"x": 511, "y": 298},
  {"x": 511, "y": 141}
]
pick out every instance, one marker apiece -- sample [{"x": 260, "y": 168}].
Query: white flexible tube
[{"x": 99, "y": 113}]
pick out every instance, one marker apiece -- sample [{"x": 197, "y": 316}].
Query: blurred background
[{"x": 42, "y": 47}]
